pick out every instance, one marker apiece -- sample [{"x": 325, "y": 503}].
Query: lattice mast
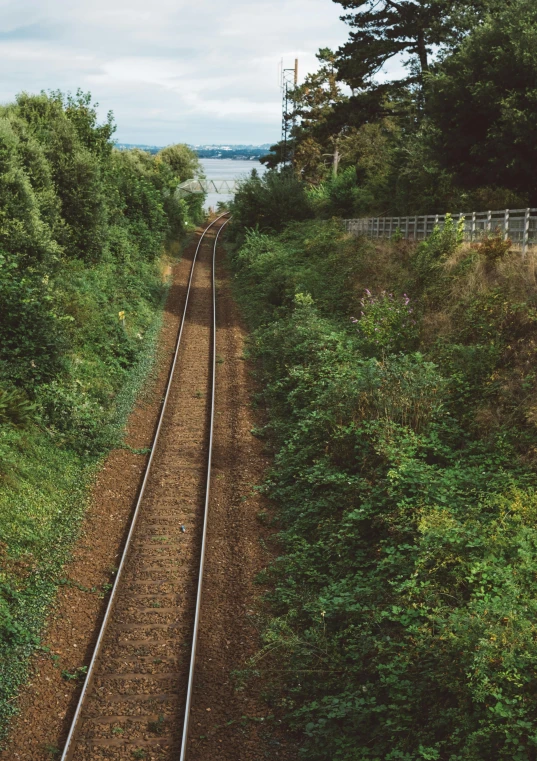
[{"x": 288, "y": 82}]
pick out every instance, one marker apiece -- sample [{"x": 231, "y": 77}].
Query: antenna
[{"x": 289, "y": 80}]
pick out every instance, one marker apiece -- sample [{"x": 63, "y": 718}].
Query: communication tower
[{"x": 289, "y": 81}]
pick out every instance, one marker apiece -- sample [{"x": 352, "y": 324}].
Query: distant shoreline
[{"x": 233, "y": 152}]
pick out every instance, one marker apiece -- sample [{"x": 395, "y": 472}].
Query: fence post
[
  {"x": 526, "y": 231},
  {"x": 489, "y": 220},
  {"x": 473, "y": 226},
  {"x": 506, "y": 225}
]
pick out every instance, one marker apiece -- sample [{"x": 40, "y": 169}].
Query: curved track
[{"x": 135, "y": 702}]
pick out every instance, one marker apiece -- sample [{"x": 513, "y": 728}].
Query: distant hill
[
  {"x": 244, "y": 152},
  {"x": 149, "y": 148},
  {"x": 238, "y": 152}
]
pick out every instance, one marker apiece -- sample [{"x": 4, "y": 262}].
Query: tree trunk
[{"x": 422, "y": 51}]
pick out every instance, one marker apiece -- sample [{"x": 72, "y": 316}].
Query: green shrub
[
  {"x": 15, "y": 408},
  {"x": 32, "y": 335},
  {"x": 342, "y": 196},
  {"x": 387, "y": 323},
  {"x": 314, "y": 258},
  {"x": 442, "y": 243},
  {"x": 270, "y": 202},
  {"x": 401, "y": 620}
]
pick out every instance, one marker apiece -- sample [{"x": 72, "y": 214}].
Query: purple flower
[{"x": 368, "y": 292}]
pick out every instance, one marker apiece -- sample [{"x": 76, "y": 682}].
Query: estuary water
[{"x": 227, "y": 169}]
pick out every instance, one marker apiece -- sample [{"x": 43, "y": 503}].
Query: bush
[
  {"x": 270, "y": 202},
  {"x": 15, "y": 408},
  {"x": 32, "y": 336},
  {"x": 441, "y": 244},
  {"x": 315, "y": 258},
  {"x": 386, "y": 323},
  {"x": 401, "y": 615},
  {"x": 341, "y": 196},
  {"x": 494, "y": 247}
]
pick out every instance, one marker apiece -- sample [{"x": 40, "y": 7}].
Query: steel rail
[
  {"x": 69, "y": 744},
  {"x": 190, "y": 688}
]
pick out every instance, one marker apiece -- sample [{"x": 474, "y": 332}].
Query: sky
[{"x": 171, "y": 71}]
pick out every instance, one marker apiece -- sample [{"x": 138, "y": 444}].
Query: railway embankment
[{"x": 400, "y": 389}]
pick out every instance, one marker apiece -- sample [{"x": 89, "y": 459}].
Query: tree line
[{"x": 453, "y": 128}]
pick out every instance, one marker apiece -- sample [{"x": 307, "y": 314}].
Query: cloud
[{"x": 170, "y": 69}]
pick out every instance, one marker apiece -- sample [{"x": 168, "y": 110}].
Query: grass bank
[{"x": 400, "y": 387}]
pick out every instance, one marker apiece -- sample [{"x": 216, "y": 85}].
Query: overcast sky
[{"x": 199, "y": 71}]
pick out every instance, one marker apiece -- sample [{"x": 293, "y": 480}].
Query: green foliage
[
  {"x": 32, "y": 334},
  {"x": 386, "y": 324},
  {"x": 386, "y": 29},
  {"x": 15, "y": 408},
  {"x": 76, "y": 675},
  {"x": 270, "y": 202},
  {"x": 401, "y": 617},
  {"x": 83, "y": 228},
  {"x": 452, "y": 129},
  {"x": 182, "y": 161},
  {"x": 273, "y": 269},
  {"x": 339, "y": 196},
  {"x": 442, "y": 243},
  {"x": 481, "y": 102}
]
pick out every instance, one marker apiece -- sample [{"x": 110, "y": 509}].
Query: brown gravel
[
  {"x": 138, "y": 694},
  {"x": 136, "y": 701},
  {"x": 231, "y": 724}
]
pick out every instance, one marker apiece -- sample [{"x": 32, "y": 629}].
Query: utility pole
[
  {"x": 289, "y": 81},
  {"x": 337, "y": 157}
]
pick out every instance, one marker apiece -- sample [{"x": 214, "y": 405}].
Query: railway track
[{"x": 135, "y": 702}]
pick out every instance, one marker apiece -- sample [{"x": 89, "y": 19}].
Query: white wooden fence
[{"x": 520, "y": 225}]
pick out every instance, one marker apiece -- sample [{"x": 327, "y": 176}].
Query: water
[{"x": 227, "y": 169}]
